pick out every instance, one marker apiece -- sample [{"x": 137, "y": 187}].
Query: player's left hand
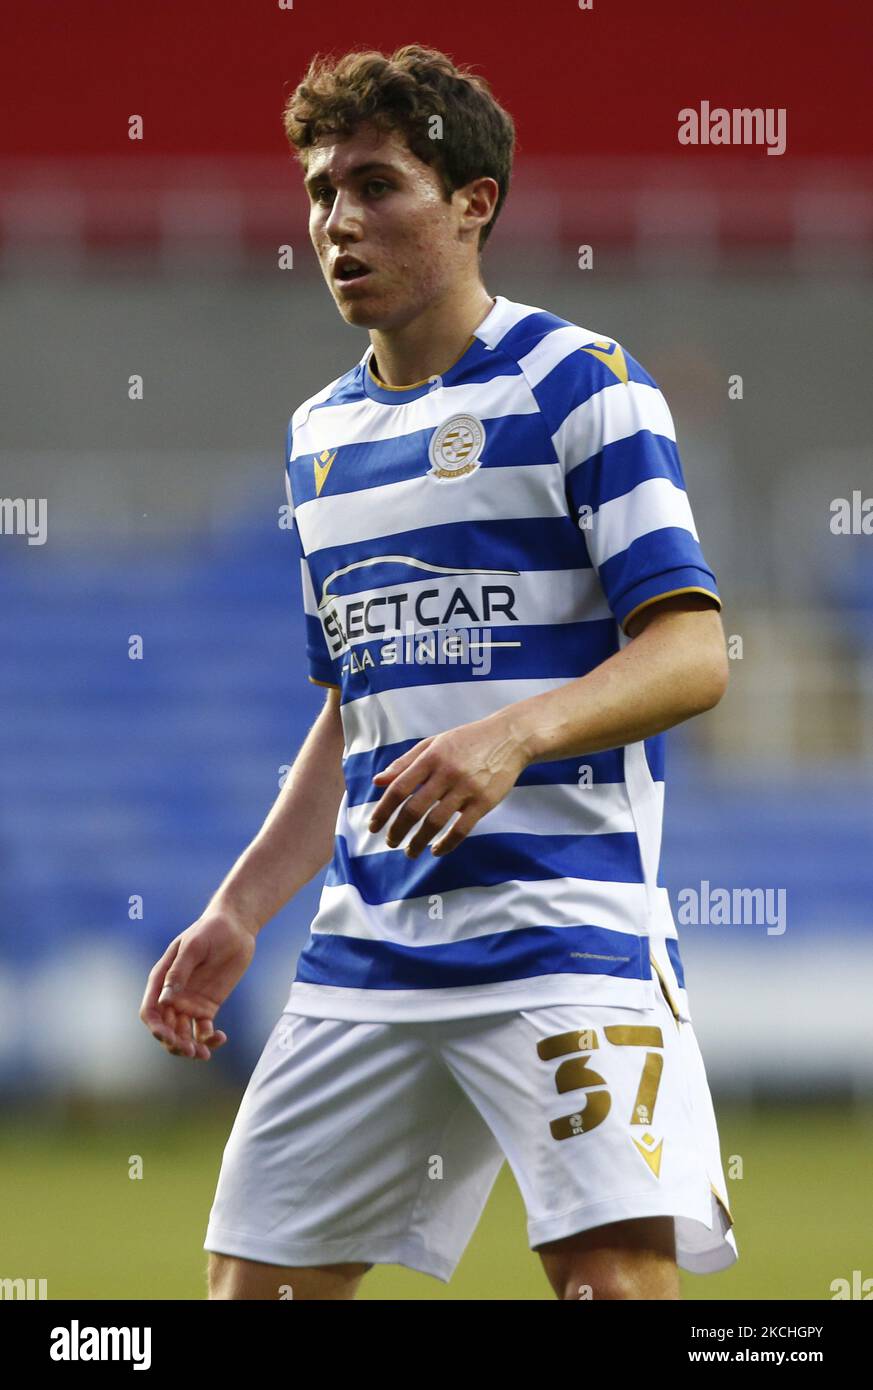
[{"x": 468, "y": 770}]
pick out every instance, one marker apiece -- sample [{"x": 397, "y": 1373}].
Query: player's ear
[{"x": 480, "y": 197}]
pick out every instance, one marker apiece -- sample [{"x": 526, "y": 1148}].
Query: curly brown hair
[{"x": 403, "y": 92}]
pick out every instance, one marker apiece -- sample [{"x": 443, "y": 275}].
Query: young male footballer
[{"x": 507, "y": 604}]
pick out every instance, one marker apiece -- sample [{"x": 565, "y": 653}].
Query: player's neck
[{"x": 432, "y": 342}]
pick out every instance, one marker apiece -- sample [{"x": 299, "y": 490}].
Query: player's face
[{"x": 372, "y": 199}]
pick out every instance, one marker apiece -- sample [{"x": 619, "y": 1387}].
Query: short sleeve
[
  {"x": 624, "y": 482},
  {"x": 321, "y": 667}
]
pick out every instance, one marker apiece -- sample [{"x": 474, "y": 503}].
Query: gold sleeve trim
[
  {"x": 330, "y": 685},
  {"x": 656, "y": 598}
]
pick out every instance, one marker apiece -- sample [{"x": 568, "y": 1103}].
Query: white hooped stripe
[
  {"x": 467, "y": 913},
  {"x": 614, "y": 413},
  {"x": 558, "y": 808},
  {"x": 650, "y": 506}
]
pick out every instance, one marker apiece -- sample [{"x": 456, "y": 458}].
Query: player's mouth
[{"x": 348, "y": 270}]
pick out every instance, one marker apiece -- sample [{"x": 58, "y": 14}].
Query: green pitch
[{"x": 72, "y": 1215}]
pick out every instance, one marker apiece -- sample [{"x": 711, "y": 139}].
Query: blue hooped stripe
[
  {"x": 354, "y": 963},
  {"x": 509, "y": 440},
  {"x": 361, "y": 768},
  {"x": 518, "y": 545},
  {"x": 618, "y": 468},
  {"x": 482, "y": 861},
  {"x": 502, "y": 651}
]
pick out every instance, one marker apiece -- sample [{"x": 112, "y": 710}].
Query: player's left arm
[{"x": 675, "y": 667}]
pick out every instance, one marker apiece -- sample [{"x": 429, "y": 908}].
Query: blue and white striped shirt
[{"x": 465, "y": 543}]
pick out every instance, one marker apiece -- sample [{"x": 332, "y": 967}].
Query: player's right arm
[{"x": 201, "y": 966}]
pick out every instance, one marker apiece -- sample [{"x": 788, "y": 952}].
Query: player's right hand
[{"x": 191, "y": 981}]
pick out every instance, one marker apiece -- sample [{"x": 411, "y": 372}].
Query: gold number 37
[{"x": 574, "y": 1074}]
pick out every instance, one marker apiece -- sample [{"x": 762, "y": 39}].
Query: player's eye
[{"x": 374, "y": 187}]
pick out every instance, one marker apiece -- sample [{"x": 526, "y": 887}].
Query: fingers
[
  {"x": 416, "y": 803},
  {"x": 444, "y": 793},
  {"x": 436, "y": 820},
  {"x": 179, "y": 971},
  {"x": 155, "y": 981},
  {"x": 402, "y": 786},
  {"x": 459, "y": 831},
  {"x": 174, "y": 1040},
  {"x": 182, "y": 1036},
  {"x": 405, "y": 760},
  {"x": 170, "y": 1025},
  {"x": 208, "y": 1035},
  {"x": 159, "y": 1019},
  {"x": 183, "y": 1033}
]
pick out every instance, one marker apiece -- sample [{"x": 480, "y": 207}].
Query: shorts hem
[
  {"x": 302, "y": 1254},
  {"x": 709, "y": 1260},
  {"x": 712, "y": 1260}
]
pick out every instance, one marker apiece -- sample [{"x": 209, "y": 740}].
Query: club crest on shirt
[{"x": 455, "y": 448}]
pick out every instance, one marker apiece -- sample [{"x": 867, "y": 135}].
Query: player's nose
[{"x": 344, "y": 218}]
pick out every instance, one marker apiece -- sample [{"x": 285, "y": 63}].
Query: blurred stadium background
[{"x": 122, "y": 778}]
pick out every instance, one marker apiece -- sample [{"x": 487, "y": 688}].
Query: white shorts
[{"x": 380, "y": 1142}]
